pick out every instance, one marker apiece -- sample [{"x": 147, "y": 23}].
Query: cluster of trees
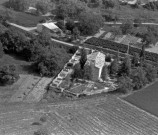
[
  {"x": 151, "y": 5},
  {"x": 1, "y": 50},
  {"x": 72, "y": 10},
  {"x": 108, "y": 4},
  {"x": 82, "y": 70},
  {"x": 133, "y": 73},
  {"x": 48, "y": 58},
  {"x": 8, "y": 75},
  {"x": 43, "y": 6}
]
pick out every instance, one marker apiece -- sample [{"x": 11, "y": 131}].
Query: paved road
[
  {"x": 22, "y": 27},
  {"x": 119, "y": 23}
]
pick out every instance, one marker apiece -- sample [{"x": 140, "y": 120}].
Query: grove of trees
[{"x": 47, "y": 57}]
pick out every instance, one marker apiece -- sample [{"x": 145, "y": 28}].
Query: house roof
[
  {"x": 92, "y": 56},
  {"x": 50, "y": 25},
  {"x": 32, "y": 8},
  {"x": 97, "y": 57}
]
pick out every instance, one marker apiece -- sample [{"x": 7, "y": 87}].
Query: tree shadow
[{"x": 30, "y": 69}]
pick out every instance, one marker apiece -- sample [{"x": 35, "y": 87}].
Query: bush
[
  {"x": 1, "y": 50},
  {"x": 108, "y": 58},
  {"x": 72, "y": 49},
  {"x": 125, "y": 84},
  {"x": 139, "y": 79},
  {"x": 8, "y": 75}
]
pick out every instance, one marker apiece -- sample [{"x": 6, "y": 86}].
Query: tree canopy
[{"x": 90, "y": 22}]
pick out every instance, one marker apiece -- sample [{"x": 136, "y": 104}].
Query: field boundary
[{"x": 140, "y": 109}]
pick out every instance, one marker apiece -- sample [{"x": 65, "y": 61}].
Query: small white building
[
  {"x": 50, "y": 26},
  {"x": 31, "y": 10}
]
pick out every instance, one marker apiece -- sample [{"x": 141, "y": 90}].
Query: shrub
[{"x": 125, "y": 84}]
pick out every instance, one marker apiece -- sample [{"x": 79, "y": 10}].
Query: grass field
[
  {"x": 20, "y": 18},
  {"x": 146, "y": 99},
  {"x": 22, "y": 66}
]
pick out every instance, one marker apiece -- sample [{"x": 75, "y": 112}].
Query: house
[
  {"x": 50, "y": 26},
  {"x": 96, "y": 60},
  {"x": 31, "y": 10},
  {"x": 132, "y": 2}
]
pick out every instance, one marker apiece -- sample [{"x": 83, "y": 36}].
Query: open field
[
  {"x": 20, "y": 18},
  {"x": 23, "y": 67},
  {"x": 146, "y": 99},
  {"x": 106, "y": 116},
  {"x": 20, "y": 89}
]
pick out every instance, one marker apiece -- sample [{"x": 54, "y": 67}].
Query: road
[
  {"x": 22, "y": 27},
  {"x": 119, "y": 23}
]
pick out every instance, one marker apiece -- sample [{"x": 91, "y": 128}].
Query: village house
[
  {"x": 96, "y": 60},
  {"x": 50, "y": 27},
  {"x": 31, "y": 10}
]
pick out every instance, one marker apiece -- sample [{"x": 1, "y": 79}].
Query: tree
[
  {"x": 139, "y": 79},
  {"x": 108, "y": 58},
  {"x": 104, "y": 73},
  {"x": 137, "y": 22},
  {"x": 87, "y": 72},
  {"x": 108, "y": 4},
  {"x": 142, "y": 55},
  {"x": 76, "y": 33},
  {"x": 70, "y": 25},
  {"x": 19, "y": 5},
  {"x": 90, "y": 22},
  {"x": 126, "y": 27},
  {"x": 83, "y": 58},
  {"x": 42, "y": 7},
  {"x": 125, "y": 84},
  {"x": 73, "y": 49},
  {"x": 61, "y": 25},
  {"x": 1, "y": 50},
  {"x": 126, "y": 66},
  {"x": 78, "y": 73},
  {"x": 8, "y": 75},
  {"x": 114, "y": 67},
  {"x": 135, "y": 60},
  {"x": 44, "y": 38},
  {"x": 151, "y": 72},
  {"x": 70, "y": 9},
  {"x": 47, "y": 65}
]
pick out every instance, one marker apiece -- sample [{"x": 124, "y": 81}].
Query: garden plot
[{"x": 24, "y": 88}]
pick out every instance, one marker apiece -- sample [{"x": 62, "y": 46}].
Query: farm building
[
  {"x": 140, "y": 2},
  {"x": 50, "y": 26},
  {"x": 96, "y": 60},
  {"x": 31, "y": 10}
]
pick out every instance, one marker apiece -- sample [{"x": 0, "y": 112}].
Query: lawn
[
  {"x": 23, "y": 67},
  {"x": 26, "y": 20},
  {"x": 146, "y": 99},
  {"x": 20, "y": 18}
]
